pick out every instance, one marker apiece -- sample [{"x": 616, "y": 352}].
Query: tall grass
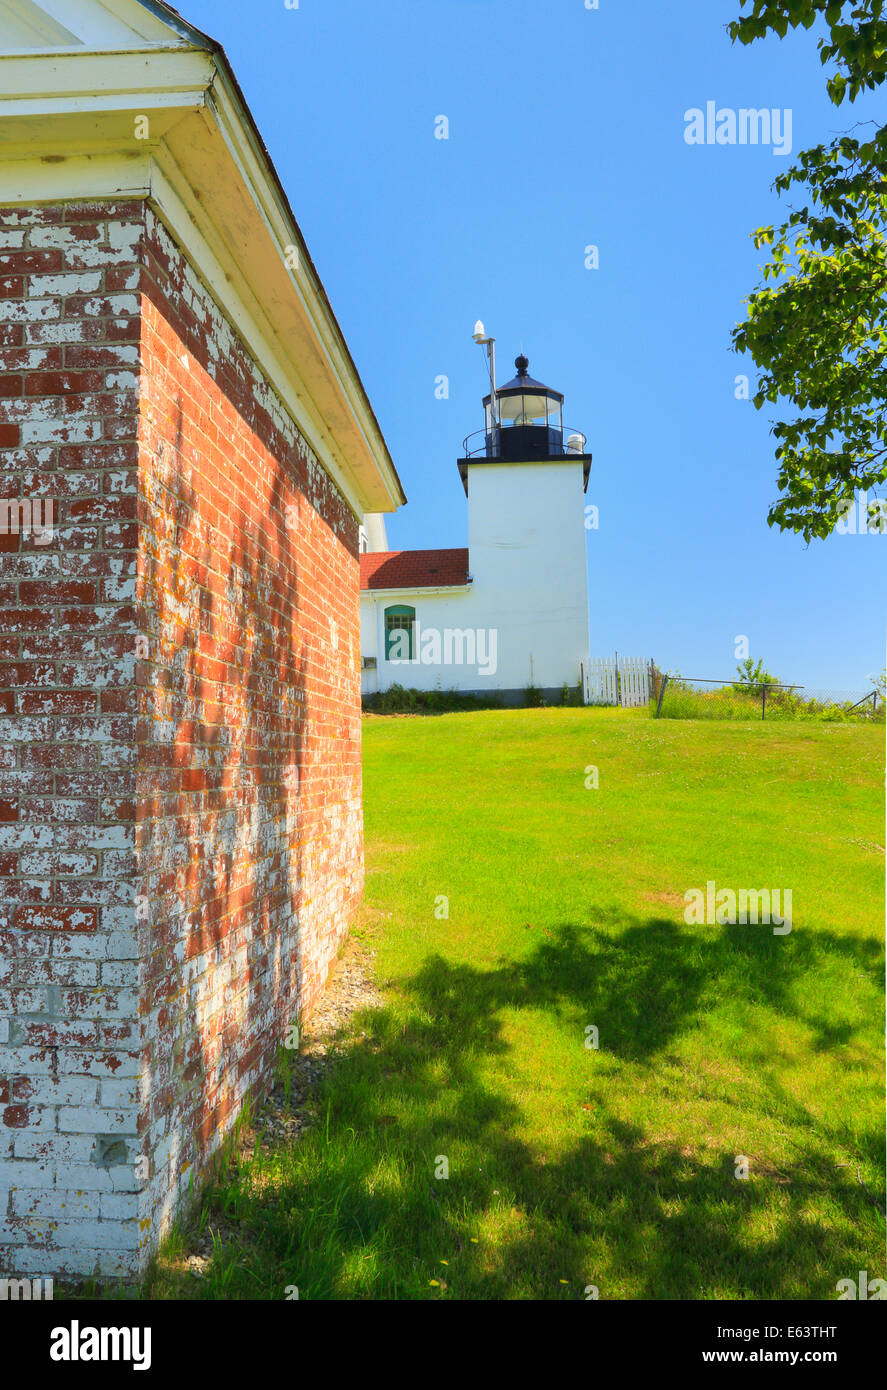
[{"x": 685, "y": 701}]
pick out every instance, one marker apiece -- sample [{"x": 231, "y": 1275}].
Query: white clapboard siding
[{"x": 628, "y": 685}]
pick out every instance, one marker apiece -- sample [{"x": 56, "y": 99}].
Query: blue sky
[{"x": 566, "y": 129}]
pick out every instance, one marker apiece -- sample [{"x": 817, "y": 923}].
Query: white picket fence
[{"x": 619, "y": 681}]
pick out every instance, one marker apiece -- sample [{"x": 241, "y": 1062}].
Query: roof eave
[
  {"x": 164, "y": 11},
  {"x": 481, "y": 460},
  {"x": 407, "y": 589},
  {"x": 181, "y": 25},
  {"x": 55, "y": 127}
]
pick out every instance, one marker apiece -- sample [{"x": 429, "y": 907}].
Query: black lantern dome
[
  {"x": 529, "y": 417},
  {"x": 526, "y": 424}
]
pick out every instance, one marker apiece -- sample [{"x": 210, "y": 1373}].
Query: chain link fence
[{"x": 688, "y": 697}]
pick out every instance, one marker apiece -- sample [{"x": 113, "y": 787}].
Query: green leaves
[
  {"x": 856, "y": 41},
  {"x": 750, "y": 673},
  {"x": 816, "y": 325}
]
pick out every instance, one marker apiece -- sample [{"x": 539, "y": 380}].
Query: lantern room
[{"x": 524, "y": 423}]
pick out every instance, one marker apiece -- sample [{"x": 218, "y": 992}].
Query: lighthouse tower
[{"x": 525, "y": 477}]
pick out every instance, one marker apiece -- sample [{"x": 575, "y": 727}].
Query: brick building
[{"x": 186, "y": 450}]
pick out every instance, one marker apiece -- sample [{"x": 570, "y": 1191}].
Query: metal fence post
[
  {"x": 763, "y": 702},
  {"x": 661, "y": 694}
]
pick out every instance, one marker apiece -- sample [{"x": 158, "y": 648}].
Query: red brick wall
[
  {"x": 180, "y": 820},
  {"x": 250, "y": 844}
]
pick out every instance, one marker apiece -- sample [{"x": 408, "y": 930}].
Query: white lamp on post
[{"x": 480, "y": 336}]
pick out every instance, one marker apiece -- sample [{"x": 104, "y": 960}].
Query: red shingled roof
[{"x": 413, "y": 569}]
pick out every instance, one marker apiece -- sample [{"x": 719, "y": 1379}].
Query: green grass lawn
[{"x": 571, "y": 1166}]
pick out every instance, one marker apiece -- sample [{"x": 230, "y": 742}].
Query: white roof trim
[
  {"x": 91, "y": 23},
  {"x": 425, "y": 590},
  {"x": 25, "y": 25}
]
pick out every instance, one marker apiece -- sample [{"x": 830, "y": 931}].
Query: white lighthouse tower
[
  {"x": 509, "y": 613},
  {"x": 525, "y": 477}
]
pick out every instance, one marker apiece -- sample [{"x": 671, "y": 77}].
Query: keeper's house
[{"x": 186, "y": 450}]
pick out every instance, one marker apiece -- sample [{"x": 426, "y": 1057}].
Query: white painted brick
[
  {"x": 66, "y": 1091},
  {"x": 23, "y": 729},
  {"x": 119, "y": 1093},
  {"x": 120, "y": 917},
  {"x": 41, "y": 1119},
  {"x": 60, "y": 1148},
  {"x": 122, "y": 945},
  {"x": 44, "y": 862},
  {"x": 50, "y": 238},
  {"x": 118, "y": 864},
  {"x": 115, "y": 304},
  {"x": 28, "y": 1001},
  {"x": 58, "y": 1205},
  {"x": 119, "y": 1206},
  {"x": 101, "y": 1235},
  {"x": 26, "y": 943},
  {"x": 125, "y": 237},
  {"x": 117, "y": 972},
  {"x": 120, "y": 1264},
  {"x": 70, "y": 331},
  {"x": 79, "y": 945},
  {"x": 111, "y": 1063},
  {"x": 33, "y": 1264},
  {"x": 29, "y": 310},
  {"x": 21, "y": 1229},
  {"x": 67, "y": 974},
  {"x": 126, "y": 1179},
  {"x": 110, "y": 1004},
  {"x": 79, "y": 1120},
  {"x": 122, "y": 381},
  {"x": 25, "y": 1172},
  {"x": 85, "y": 1177},
  {"x": 70, "y": 283},
  {"x": 70, "y": 430},
  {"x": 120, "y": 590},
  {"x": 25, "y": 1061}
]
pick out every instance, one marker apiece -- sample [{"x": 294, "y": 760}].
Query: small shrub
[
  {"x": 571, "y": 696},
  {"x": 753, "y": 674}
]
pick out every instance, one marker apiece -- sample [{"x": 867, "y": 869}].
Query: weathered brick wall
[
  {"x": 180, "y": 818},
  {"x": 250, "y": 842},
  {"x": 69, "y": 1030}
]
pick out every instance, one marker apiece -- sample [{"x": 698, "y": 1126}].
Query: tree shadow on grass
[
  {"x": 645, "y": 982},
  {"x": 357, "y": 1211}
]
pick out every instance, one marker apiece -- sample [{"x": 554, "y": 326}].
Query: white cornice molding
[
  {"x": 76, "y": 79},
  {"x": 67, "y": 132}
]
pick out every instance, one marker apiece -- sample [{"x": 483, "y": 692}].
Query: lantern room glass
[
  {"x": 525, "y": 416},
  {"x": 528, "y": 409},
  {"x": 525, "y": 409}
]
